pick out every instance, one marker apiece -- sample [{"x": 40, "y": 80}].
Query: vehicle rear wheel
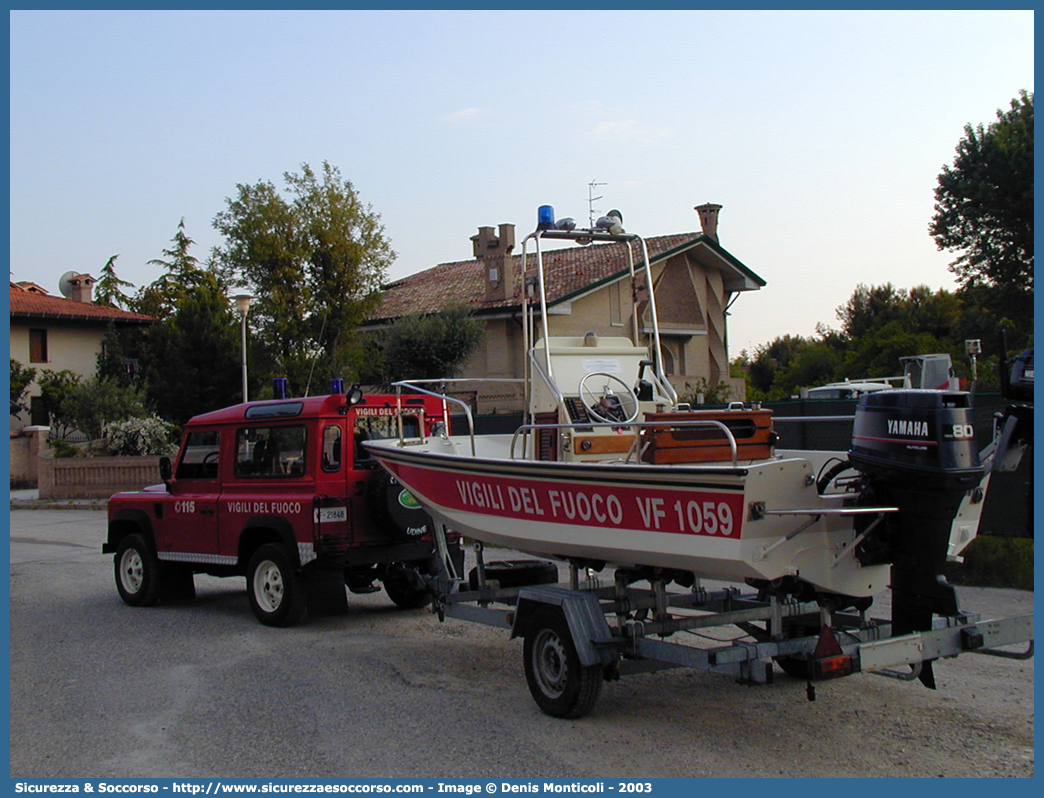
[
  {"x": 404, "y": 593},
  {"x": 137, "y": 572},
  {"x": 276, "y": 592},
  {"x": 560, "y": 685}
]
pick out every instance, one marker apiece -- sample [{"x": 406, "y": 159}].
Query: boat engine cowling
[{"x": 917, "y": 452}]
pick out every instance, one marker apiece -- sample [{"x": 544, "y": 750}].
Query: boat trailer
[{"x": 590, "y": 630}]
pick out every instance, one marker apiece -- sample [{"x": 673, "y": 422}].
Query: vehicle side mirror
[{"x": 166, "y": 470}]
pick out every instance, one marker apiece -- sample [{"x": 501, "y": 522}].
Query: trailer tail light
[
  {"x": 831, "y": 667},
  {"x": 828, "y": 659}
]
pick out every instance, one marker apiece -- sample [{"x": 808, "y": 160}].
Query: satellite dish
[{"x": 65, "y": 284}]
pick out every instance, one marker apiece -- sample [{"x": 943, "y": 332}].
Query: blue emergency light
[{"x": 545, "y": 218}]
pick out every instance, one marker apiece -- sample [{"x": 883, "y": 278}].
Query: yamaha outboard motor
[{"x": 917, "y": 451}]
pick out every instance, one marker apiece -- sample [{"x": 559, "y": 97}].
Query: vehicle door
[
  {"x": 381, "y": 507},
  {"x": 271, "y": 483},
  {"x": 188, "y": 527}
]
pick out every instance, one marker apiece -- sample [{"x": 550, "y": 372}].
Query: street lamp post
[{"x": 243, "y": 305}]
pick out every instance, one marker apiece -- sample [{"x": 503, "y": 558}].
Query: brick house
[
  {"x": 588, "y": 290},
  {"x": 55, "y": 333}
]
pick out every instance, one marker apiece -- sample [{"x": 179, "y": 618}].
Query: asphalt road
[{"x": 102, "y": 690}]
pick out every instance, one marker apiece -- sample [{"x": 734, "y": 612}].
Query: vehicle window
[
  {"x": 199, "y": 460},
  {"x": 380, "y": 427},
  {"x": 375, "y": 428},
  {"x": 270, "y": 451},
  {"x": 332, "y": 448}
]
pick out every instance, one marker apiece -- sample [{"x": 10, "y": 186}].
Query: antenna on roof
[{"x": 591, "y": 201}]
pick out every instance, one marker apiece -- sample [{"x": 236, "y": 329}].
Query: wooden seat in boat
[{"x": 752, "y": 430}]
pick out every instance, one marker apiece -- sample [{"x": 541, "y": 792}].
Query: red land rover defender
[{"x": 281, "y": 492}]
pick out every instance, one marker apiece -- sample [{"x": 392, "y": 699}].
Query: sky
[{"x": 821, "y": 133}]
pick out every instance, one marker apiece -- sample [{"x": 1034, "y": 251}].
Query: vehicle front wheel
[
  {"x": 276, "y": 592},
  {"x": 561, "y": 686},
  {"x": 137, "y": 572}
]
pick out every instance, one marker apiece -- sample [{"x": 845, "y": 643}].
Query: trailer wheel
[
  {"x": 137, "y": 572},
  {"x": 277, "y": 595},
  {"x": 561, "y": 686}
]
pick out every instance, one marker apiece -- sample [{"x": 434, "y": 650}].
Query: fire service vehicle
[{"x": 283, "y": 493}]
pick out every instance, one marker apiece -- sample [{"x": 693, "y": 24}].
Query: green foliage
[
  {"x": 90, "y": 405},
  {"x": 718, "y": 394},
  {"x": 62, "y": 448},
  {"x": 109, "y": 289},
  {"x": 119, "y": 348},
  {"x": 879, "y": 325},
  {"x": 181, "y": 273},
  {"x": 994, "y": 561},
  {"x": 984, "y": 202},
  {"x": 139, "y": 436},
  {"x": 315, "y": 258},
  {"x": 192, "y": 360},
  {"x": 21, "y": 378},
  {"x": 55, "y": 389},
  {"x": 429, "y": 346}
]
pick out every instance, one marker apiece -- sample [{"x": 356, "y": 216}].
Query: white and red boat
[{"x": 608, "y": 468}]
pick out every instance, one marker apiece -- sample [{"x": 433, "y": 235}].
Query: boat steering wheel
[{"x": 612, "y": 408}]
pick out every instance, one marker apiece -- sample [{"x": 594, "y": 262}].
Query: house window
[
  {"x": 38, "y": 346},
  {"x": 38, "y": 415}
]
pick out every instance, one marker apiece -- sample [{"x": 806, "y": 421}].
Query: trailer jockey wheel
[
  {"x": 561, "y": 686},
  {"x": 607, "y": 406}
]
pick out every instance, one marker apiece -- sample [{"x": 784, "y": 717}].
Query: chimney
[
  {"x": 81, "y": 288},
  {"x": 709, "y": 219},
  {"x": 498, "y": 266}
]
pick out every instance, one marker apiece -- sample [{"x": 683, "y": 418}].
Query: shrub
[
  {"x": 709, "y": 393},
  {"x": 139, "y": 436},
  {"x": 993, "y": 561},
  {"x": 62, "y": 448},
  {"x": 93, "y": 404}
]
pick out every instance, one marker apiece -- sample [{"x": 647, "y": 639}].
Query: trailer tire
[
  {"x": 276, "y": 591},
  {"x": 137, "y": 572},
  {"x": 561, "y": 686},
  {"x": 517, "y": 573}
]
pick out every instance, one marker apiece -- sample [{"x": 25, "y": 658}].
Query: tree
[
  {"x": 984, "y": 202},
  {"x": 21, "y": 379},
  {"x": 315, "y": 259},
  {"x": 55, "y": 388},
  {"x": 91, "y": 404},
  {"x": 120, "y": 353},
  {"x": 180, "y": 273},
  {"x": 192, "y": 357},
  {"x": 430, "y": 346},
  {"x": 109, "y": 289}
]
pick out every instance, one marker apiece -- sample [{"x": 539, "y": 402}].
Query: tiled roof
[
  {"x": 29, "y": 304},
  {"x": 566, "y": 272}
]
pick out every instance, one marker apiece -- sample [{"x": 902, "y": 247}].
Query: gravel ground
[{"x": 99, "y": 689}]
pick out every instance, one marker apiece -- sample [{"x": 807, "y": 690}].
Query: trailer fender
[{"x": 583, "y": 615}]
